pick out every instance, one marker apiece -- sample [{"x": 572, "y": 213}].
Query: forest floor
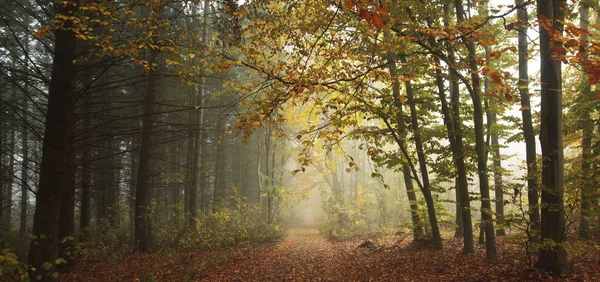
[{"x": 305, "y": 255}]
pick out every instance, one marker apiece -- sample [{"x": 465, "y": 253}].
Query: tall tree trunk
[
  {"x": 199, "y": 120},
  {"x": 24, "y": 164},
  {"x": 56, "y": 170},
  {"x": 552, "y": 257},
  {"x": 24, "y": 105},
  {"x": 86, "y": 177},
  {"x": 10, "y": 174},
  {"x": 437, "y": 237},
  {"x": 480, "y": 148},
  {"x": 528, "y": 133},
  {"x": 410, "y": 189},
  {"x": 587, "y": 188},
  {"x": 143, "y": 191},
  {"x": 458, "y": 148}
]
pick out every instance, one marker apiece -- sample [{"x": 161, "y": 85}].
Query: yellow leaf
[{"x": 192, "y": 55}]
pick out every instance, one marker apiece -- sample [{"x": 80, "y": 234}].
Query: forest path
[{"x": 306, "y": 255}]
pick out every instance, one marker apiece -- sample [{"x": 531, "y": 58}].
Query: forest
[{"x": 299, "y": 140}]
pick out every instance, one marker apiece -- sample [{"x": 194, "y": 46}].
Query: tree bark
[
  {"x": 437, "y": 237},
  {"x": 458, "y": 148},
  {"x": 480, "y": 147},
  {"x": 24, "y": 165},
  {"x": 552, "y": 257},
  {"x": 587, "y": 188},
  {"x": 528, "y": 133},
  {"x": 86, "y": 177},
  {"x": 56, "y": 169},
  {"x": 410, "y": 189}
]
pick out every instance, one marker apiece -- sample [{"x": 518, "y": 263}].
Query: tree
[
  {"x": 480, "y": 146},
  {"x": 552, "y": 256},
  {"x": 57, "y": 164},
  {"x": 587, "y": 189},
  {"x": 408, "y": 182},
  {"x": 528, "y": 133}
]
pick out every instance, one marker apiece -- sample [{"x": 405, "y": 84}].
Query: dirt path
[{"x": 304, "y": 255}]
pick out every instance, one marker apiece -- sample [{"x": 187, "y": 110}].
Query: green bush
[{"x": 345, "y": 221}]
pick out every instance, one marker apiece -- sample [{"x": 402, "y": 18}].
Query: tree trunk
[
  {"x": 552, "y": 257},
  {"x": 143, "y": 191},
  {"x": 86, "y": 177},
  {"x": 410, "y": 189},
  {"x": 587, "y": 188},
  {"x": 24, "y": 165},
  {"x": 454, "y": 126},
  {"x": 437, "y": 237},
  {"x": 56, "y": 169},
  {"x": 10, "y": 174},
  {"x": 528, "y": 133},
  {"x": 480, "y": 148}
]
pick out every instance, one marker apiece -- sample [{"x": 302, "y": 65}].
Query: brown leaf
[
  {"x": 382, "y": 11},
  {"x": 365, "y": 15},
  {"x": 377, "y": 21}
]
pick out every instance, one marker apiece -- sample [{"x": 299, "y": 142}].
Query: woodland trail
[{"x": 306, "y": 255}]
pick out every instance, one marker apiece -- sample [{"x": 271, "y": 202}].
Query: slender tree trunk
[
  {"x": 56, "y": 169},
  {"x": 6, "y": 205},
  {"x": 24, "y": 166},
  {"x": 10, "y": 174},
  {"x": 437, "y": 237},
  {"x": 528, "y": 132},
  {"x": 458, "y": 149},
  {"x": 86, "y": 178},
  {"x": 552, "y": 257},
  {"x": 587, "y": 188},
  {"x": 480, "y": 148},
  {"x": 410, "y": 189}
]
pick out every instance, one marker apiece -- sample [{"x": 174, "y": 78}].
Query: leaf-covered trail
[{"x": 305, "y": 255}]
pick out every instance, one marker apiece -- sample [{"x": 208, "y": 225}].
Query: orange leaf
[
  {"x": 524, "y": 108},
  {"x": 350, "y": 4},
  {"x": 365, "y": 15},
  {"x": 597, "y": 96},
  {"x": 402, "y": 100},
  {"x": 571, "y": 43},
  {"x": 377, "y": 21},
  {"x": 382, "y": 11},
  {"x": 593, "y": 78},
  {"x": 496, "y": 77},
  {"x": 508, "y": 96}
]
